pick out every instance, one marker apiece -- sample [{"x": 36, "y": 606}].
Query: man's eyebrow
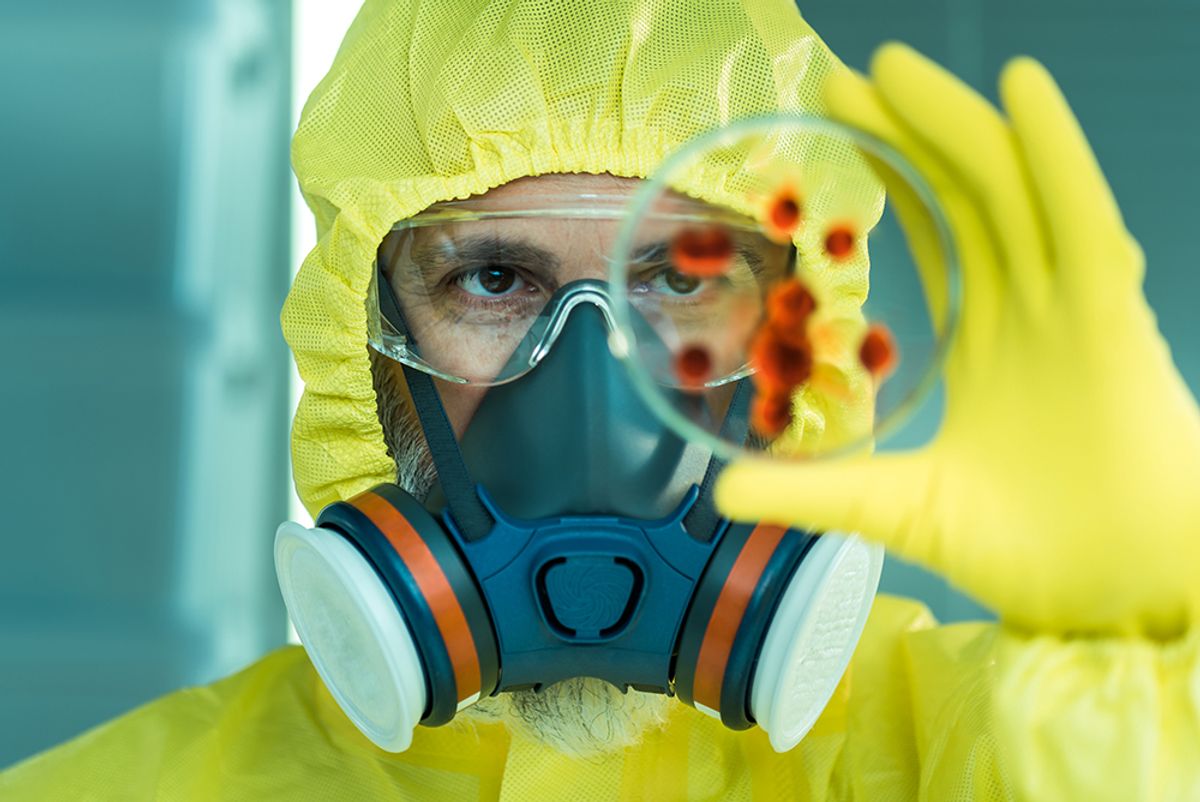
[
  {"x": 652, "y": 252},
  {"x": 753, "y": 258},
  {"x": 433, "y": 261},
  {"x": 655, "y": 252}
]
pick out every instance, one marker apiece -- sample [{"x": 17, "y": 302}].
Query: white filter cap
[
  {"x": 812, "y": 636},
  {"x": 353, "y": 632}
]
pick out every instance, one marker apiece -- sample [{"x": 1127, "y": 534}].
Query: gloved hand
[{"x": 1063, "y": 488}]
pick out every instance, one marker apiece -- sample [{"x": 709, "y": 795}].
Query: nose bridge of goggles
[{"x": 559, "y": 309}]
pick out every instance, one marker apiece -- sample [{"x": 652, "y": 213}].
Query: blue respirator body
[{"x": 570, "y": 534}]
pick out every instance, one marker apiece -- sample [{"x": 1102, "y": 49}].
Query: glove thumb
[{"x": 882, "y": 497}]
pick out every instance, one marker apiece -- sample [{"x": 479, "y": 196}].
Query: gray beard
[
  {"x": 581, "y": 717},
  {"x": 402, "y": 432}
]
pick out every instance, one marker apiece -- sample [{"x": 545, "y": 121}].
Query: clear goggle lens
[
  {"x": 742, "y": 264},
  {"x": 476, "y": 295}
]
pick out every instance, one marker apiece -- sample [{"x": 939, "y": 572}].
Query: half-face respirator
[{"x": 570, "y": 533}]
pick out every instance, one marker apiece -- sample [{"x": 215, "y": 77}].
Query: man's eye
[
  {"x": 491, "y": 282},
  {"x": 679, "y": 283},
  {"x": 669, "y": 281}
]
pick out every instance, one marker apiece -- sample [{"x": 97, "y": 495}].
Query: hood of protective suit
[{"x": 428, "y": 102}]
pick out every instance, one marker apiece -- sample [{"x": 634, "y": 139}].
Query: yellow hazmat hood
[{"x": 431, "y": 101}]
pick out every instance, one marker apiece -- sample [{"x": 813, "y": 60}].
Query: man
[{"x": 1060, "y": 489}]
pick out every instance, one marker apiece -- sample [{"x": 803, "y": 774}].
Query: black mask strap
[{"x": 468, "y": 512}]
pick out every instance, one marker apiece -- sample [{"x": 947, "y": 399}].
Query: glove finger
[
  {"x": 882, "y": 497},
  {"x": 1083, "y": 220},
  {"x": 853, "y": 101},
  {"x": 969, "y": 134}
]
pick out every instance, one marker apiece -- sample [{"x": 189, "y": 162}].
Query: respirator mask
[{"x": 571, "y": 533}]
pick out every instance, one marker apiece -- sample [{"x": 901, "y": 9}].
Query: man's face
[
  {"x": 471, "y": 290},
  {"x": 470, "y": 310}
]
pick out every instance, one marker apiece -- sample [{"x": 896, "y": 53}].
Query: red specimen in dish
[
  {"x": 839, "y": 242},
  {"x": 693, "y": 366},
  {"x": 789, "y": 305},
  {"x": 782, "y": 355},
  {"x": 771, "y": 413},
  {"x": 781, "y": 365},
  {"x": 878, "y": 351},
  {"x": 702, "y": 252},
  {"x": 782, "y": 214}
]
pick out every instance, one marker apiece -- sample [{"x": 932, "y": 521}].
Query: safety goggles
[{"x": 476, "y": 291}]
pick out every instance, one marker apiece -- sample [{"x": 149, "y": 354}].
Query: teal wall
[{"x": 143, "y": 402}]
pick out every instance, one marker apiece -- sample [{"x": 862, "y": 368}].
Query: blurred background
[{"x": 147, "y": 392}]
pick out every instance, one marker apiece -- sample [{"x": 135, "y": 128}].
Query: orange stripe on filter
[
  {"x": 728, "y": 612},
  {"x": 447, "y": 612}
]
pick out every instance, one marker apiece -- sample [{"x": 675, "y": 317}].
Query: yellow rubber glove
[{"x": 1063, "y": 488}]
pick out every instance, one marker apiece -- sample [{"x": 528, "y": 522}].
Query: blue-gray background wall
[
  {"x": 143, "y": 259},
  {"x": 144, "y": 241}
]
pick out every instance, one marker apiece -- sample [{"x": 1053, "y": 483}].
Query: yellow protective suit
[
  {"x": 433, "y": 100},
  {"x": 950, "y": 714}
]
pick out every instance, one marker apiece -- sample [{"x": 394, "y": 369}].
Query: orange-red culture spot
[
  {"x": 783, "y": 214},
  {"x": 839, "y": 242},
  {"x": 789, "y": 305},
  {"x": 771, "y": 413},
  {"x": 781, "y": 365},
  {"x": 878, "y": 351},
  {"x": 693, "y": 365},
  {"x": 703, "y": 252}
]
